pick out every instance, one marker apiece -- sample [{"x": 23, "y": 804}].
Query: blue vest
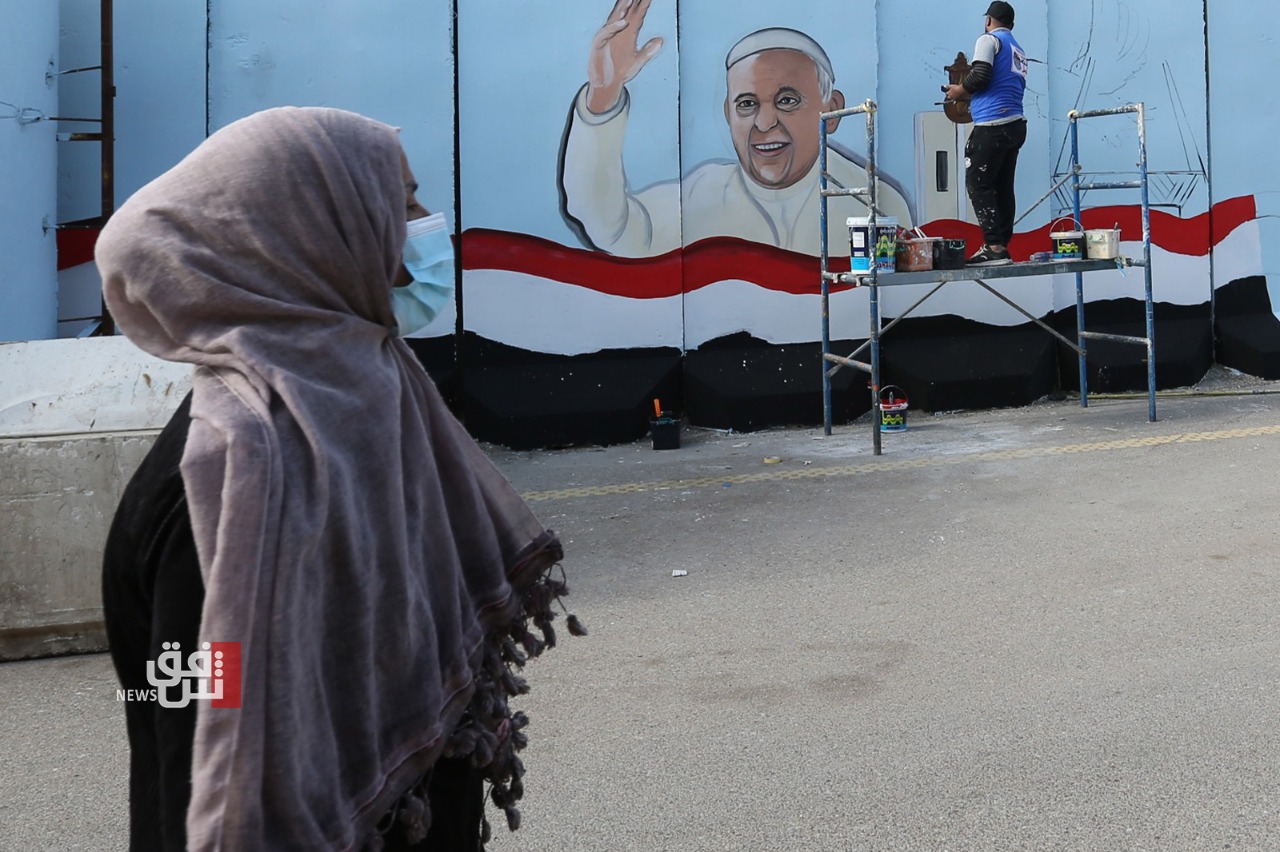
[{"x": 1002, "y": 98}]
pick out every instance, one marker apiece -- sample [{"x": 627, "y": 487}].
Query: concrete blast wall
[{"x": 71, "y": 435}]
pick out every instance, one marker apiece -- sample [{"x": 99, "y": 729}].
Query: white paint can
[{"x": 1102, "y": 244}]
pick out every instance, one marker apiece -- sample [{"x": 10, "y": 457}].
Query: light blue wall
[
  {"x": 160, "y": 87},
  {"x": 79, "y": 163},
  {"x": 917, "y": 41},
  {"x": 28, "y": 168},
  {"x": 520, "y": 70},
  {"x": 1245, "y": 123},
  {"x": 80, "y": 96},
  {"x": 1110, "y": 53},
  {"x": 519, "y": 74},
  {"x": 1107, "y": 53},
  {"x": 390, "y": 60},
  {"x": 159, "y": 115}
]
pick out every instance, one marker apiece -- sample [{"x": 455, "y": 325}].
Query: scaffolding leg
[
  {"x": 873, "y": 234},
  {"x": 1080, "y": 341},
  {"x": 1075, "y": 207},
  {"x": 1146, "y": 265},
  {"x": 875, "y": 362},
  {"x": 826, "y": 376},
  {"x": 1151, "y": 355},
  {"x": 826, "y": 345},
  {"x": 826, "y": 288}
]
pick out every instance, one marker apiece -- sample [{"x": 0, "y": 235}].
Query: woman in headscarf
[{"x": 316, "y": 504}]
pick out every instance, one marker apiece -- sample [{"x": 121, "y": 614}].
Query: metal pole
[
  {"x": 826, "y": 288},
  {"x": 108, "y": 115},
  {"x": 1146, "y": 265},
  {"x": 1075, "y": 194},
  {"x": 107, "y": 35},
  {"x": 872, "y": 236},
  {"x": 1025, "y": 213},
  {"x": 1093, "y": 113}
]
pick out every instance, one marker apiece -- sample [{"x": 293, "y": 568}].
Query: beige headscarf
[{"x": 352, "y": 537}]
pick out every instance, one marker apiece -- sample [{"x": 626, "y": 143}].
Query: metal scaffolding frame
[
  {"x": 872, "y": 278},
  {"x": 101, "y": 325}
]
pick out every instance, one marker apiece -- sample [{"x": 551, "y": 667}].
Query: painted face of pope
[{"x": 772, "y": 104}]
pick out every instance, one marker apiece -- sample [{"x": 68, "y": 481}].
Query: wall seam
[
  {"x": 684, "y": 321},
  {"x": 1208, "y": 181},
  {"x": 458, "y": 348},
  {"x": 208, "y": 52}
]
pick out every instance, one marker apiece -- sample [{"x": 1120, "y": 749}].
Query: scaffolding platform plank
[{"x": 987, "y": 273}]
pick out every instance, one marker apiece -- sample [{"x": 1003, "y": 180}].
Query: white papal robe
[{"x": 715, "y": 199}]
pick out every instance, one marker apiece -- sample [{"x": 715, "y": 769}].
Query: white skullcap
[{"x": 779, "y": 38}]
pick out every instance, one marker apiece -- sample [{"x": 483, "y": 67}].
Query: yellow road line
[{"x": 880, "y": 467}]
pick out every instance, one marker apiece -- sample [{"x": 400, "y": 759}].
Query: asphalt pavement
[{"x": 1045, "y": 628}]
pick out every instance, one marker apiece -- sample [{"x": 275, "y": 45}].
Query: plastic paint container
[
  {"x": 916, "y": 255},
  {"x": 1067, "y": 245},
  {"x": 893, "y": 410},
  {"x": 861, "y": 248}
]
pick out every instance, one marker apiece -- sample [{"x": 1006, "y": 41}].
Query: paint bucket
[
  {"x": 1067, "y": 245},
  {"x": 1102, "y": 244},
  {"x": 916, "y": 255},
  {"x": 861, "y": 248},
  {"x": 893, "y": 410},
  {"x": 665, "y": 431},
  {"x": 949, "y": 254}
]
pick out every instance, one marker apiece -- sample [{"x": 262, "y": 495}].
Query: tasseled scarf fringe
[{"x": 489, "y": 732}]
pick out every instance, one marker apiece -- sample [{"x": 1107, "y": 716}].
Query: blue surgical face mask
[{"x": 428, "y": 255}]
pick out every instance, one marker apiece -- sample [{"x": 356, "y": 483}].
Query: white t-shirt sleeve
[{"x": 986, "y": 48}]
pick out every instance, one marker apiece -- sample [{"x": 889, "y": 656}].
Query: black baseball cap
[{"x": 1001, "y": 11}]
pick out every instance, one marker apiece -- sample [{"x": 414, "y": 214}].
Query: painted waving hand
[{"x": 616, "y": 57}]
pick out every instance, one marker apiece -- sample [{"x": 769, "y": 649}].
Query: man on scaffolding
[{"x": 995, "y": 85}]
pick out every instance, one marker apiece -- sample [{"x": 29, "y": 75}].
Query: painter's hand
[
  {"x": 956, "y": 92},
  {"x": 615, "y": 59}
]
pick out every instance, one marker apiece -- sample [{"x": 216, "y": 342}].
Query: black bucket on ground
[{"x": 666, "y": 432}]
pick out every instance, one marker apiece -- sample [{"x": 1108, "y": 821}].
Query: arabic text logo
[{"x": 211, "y": 673}]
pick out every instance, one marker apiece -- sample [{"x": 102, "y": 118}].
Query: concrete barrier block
[{"x": 57, "y": 498}]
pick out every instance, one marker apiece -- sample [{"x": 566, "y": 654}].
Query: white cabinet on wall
[{"x": 940, "y": 192}]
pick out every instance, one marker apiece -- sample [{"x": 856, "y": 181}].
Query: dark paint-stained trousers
[{"x": 991, "y": 160}]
